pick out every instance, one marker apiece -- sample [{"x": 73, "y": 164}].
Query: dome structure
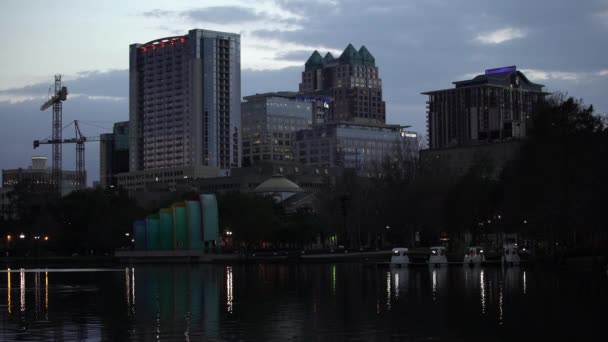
[{"x": 278, "y": 183}]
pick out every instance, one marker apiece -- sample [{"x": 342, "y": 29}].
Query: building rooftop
[
  {"x": 261, "y": 96},
  {"x": 500, "y": 77},
  {"x": 278, "y": 183}
]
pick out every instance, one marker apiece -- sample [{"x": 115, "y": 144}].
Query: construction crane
[
  {"x": 60, "y": 95},
  {"x": 79, "y": 140}
]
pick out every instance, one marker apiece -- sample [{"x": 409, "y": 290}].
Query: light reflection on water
[{"x": 264, "y": 302}]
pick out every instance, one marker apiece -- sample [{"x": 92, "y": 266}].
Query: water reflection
[
  {"x": 46, "y": 295},
  {"x": 438, "y": 281},
  {"x": 388, "y": 290},
  {"x": 229, "y": 297},
  {"x": 482, "y": 285},
  {"x": 294, "y": 302},
  {"x": 401, "y": 281},
  {"x": 8, "y": 291},
  {"x": 22, "y": 289}
]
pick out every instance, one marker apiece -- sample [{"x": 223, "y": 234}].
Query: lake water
[{"x": 311, "y": 302}]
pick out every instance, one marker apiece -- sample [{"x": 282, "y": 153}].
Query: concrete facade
[
  {"x": 184, "y": 102},
  {"x": 491, "y": 107}
]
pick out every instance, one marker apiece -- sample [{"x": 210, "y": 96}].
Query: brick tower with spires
[{"x": 352, "y": 80}]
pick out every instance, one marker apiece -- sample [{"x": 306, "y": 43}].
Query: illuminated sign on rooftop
[{"x": 501, "y": 70}]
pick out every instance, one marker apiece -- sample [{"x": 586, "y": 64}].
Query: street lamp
[{"x": 8, "y": 238}]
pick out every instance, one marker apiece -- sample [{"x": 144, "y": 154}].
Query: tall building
[
  {"x": 352, "y": 145},
  {"x": 184, "y": 102},
  {"x": 352, "y": 80},
  {"x": 491, "y": 107},
  {"x": 113, "y": 154},
  {"x": 268, "y": 122}
]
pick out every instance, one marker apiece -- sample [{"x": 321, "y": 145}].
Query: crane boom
[{"x": 79, "y": 140}]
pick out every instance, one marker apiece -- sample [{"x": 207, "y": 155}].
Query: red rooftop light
[
  {"x": 143, "y": 48},
  {"x": 182, "y": 39}
]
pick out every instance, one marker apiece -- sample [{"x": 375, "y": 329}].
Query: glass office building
[
  {"x": 350, "y": 145},
  {"x": 269, "y": 121}
]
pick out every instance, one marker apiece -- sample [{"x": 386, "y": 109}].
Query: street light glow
[
  {"x": 22, "y": 236},
  {"x": 8, "y": 237}
]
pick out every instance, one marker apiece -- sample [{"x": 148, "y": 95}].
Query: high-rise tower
[
  {"x": 352, "y": 80},
  {"x": 184, "y": 102}
]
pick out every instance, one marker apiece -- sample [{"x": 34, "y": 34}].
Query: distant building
[
  {"x": 491, "y": 107},
  {"x": 352, "y": 145},
  {"x": 458, "y": 160},
  {"x": 38, "y": 178},
  {"x": 113, "y": 154},
  {"x": 184, "y": 102},
  {"x": 38, "y": 163},
  {"x": 352, "y": 80},
  {"x": 245, "y": 179},
  {"x": 6, "y": 211},
  {"x": 268, "y": 122}
]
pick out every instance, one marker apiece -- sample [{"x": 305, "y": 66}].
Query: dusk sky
[{"x": 418, "y": 46}]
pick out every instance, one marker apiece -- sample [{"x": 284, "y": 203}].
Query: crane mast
[
  {"x": 80, "y": 169},
  {"x": 55, "y": 101}
]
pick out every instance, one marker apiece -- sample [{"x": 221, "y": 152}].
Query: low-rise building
[
  {"x": 39, "y": 177},
  {"x": 352, "y": 145}
]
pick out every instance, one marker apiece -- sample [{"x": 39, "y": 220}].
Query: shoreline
[{"x": 189, "y": 257}]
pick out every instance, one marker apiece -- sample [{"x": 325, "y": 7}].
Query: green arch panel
[
  {"x": 195, "y": 239},
  {"x": 210, "y": 218},
  {"x": 180, "y": 222},
  {"x": 139, "y": 234},
  {"x": 153, "y": 232},
  {"x": 166, "y": 229}
]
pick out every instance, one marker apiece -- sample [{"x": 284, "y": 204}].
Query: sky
[{"x": 418, "y": 46}]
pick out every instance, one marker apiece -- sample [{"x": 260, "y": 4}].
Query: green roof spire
[
  {"x": 315, "y": 61},
  {"x": 350, "y": 55},
  {"x": 328, "y": 58},
  {"x": 366, "y": 56}
]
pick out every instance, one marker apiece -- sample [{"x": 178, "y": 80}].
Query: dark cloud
[
  {"x": 223, "y": 15},
  {"x": 427, "y": 45},
  {"x": 268, "y": 81},
  {"x": 301, "y": 55},
  {"x": 112, "y": 83}
]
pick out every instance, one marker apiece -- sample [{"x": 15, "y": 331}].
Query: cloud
[
  {"x": 543, "y": 75},
  {"x": 225, "y": 14},
  {"x": 500, "y": 36},
  {"x": 93, "y": 84},
  {"x": 603, "y": 73}
]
